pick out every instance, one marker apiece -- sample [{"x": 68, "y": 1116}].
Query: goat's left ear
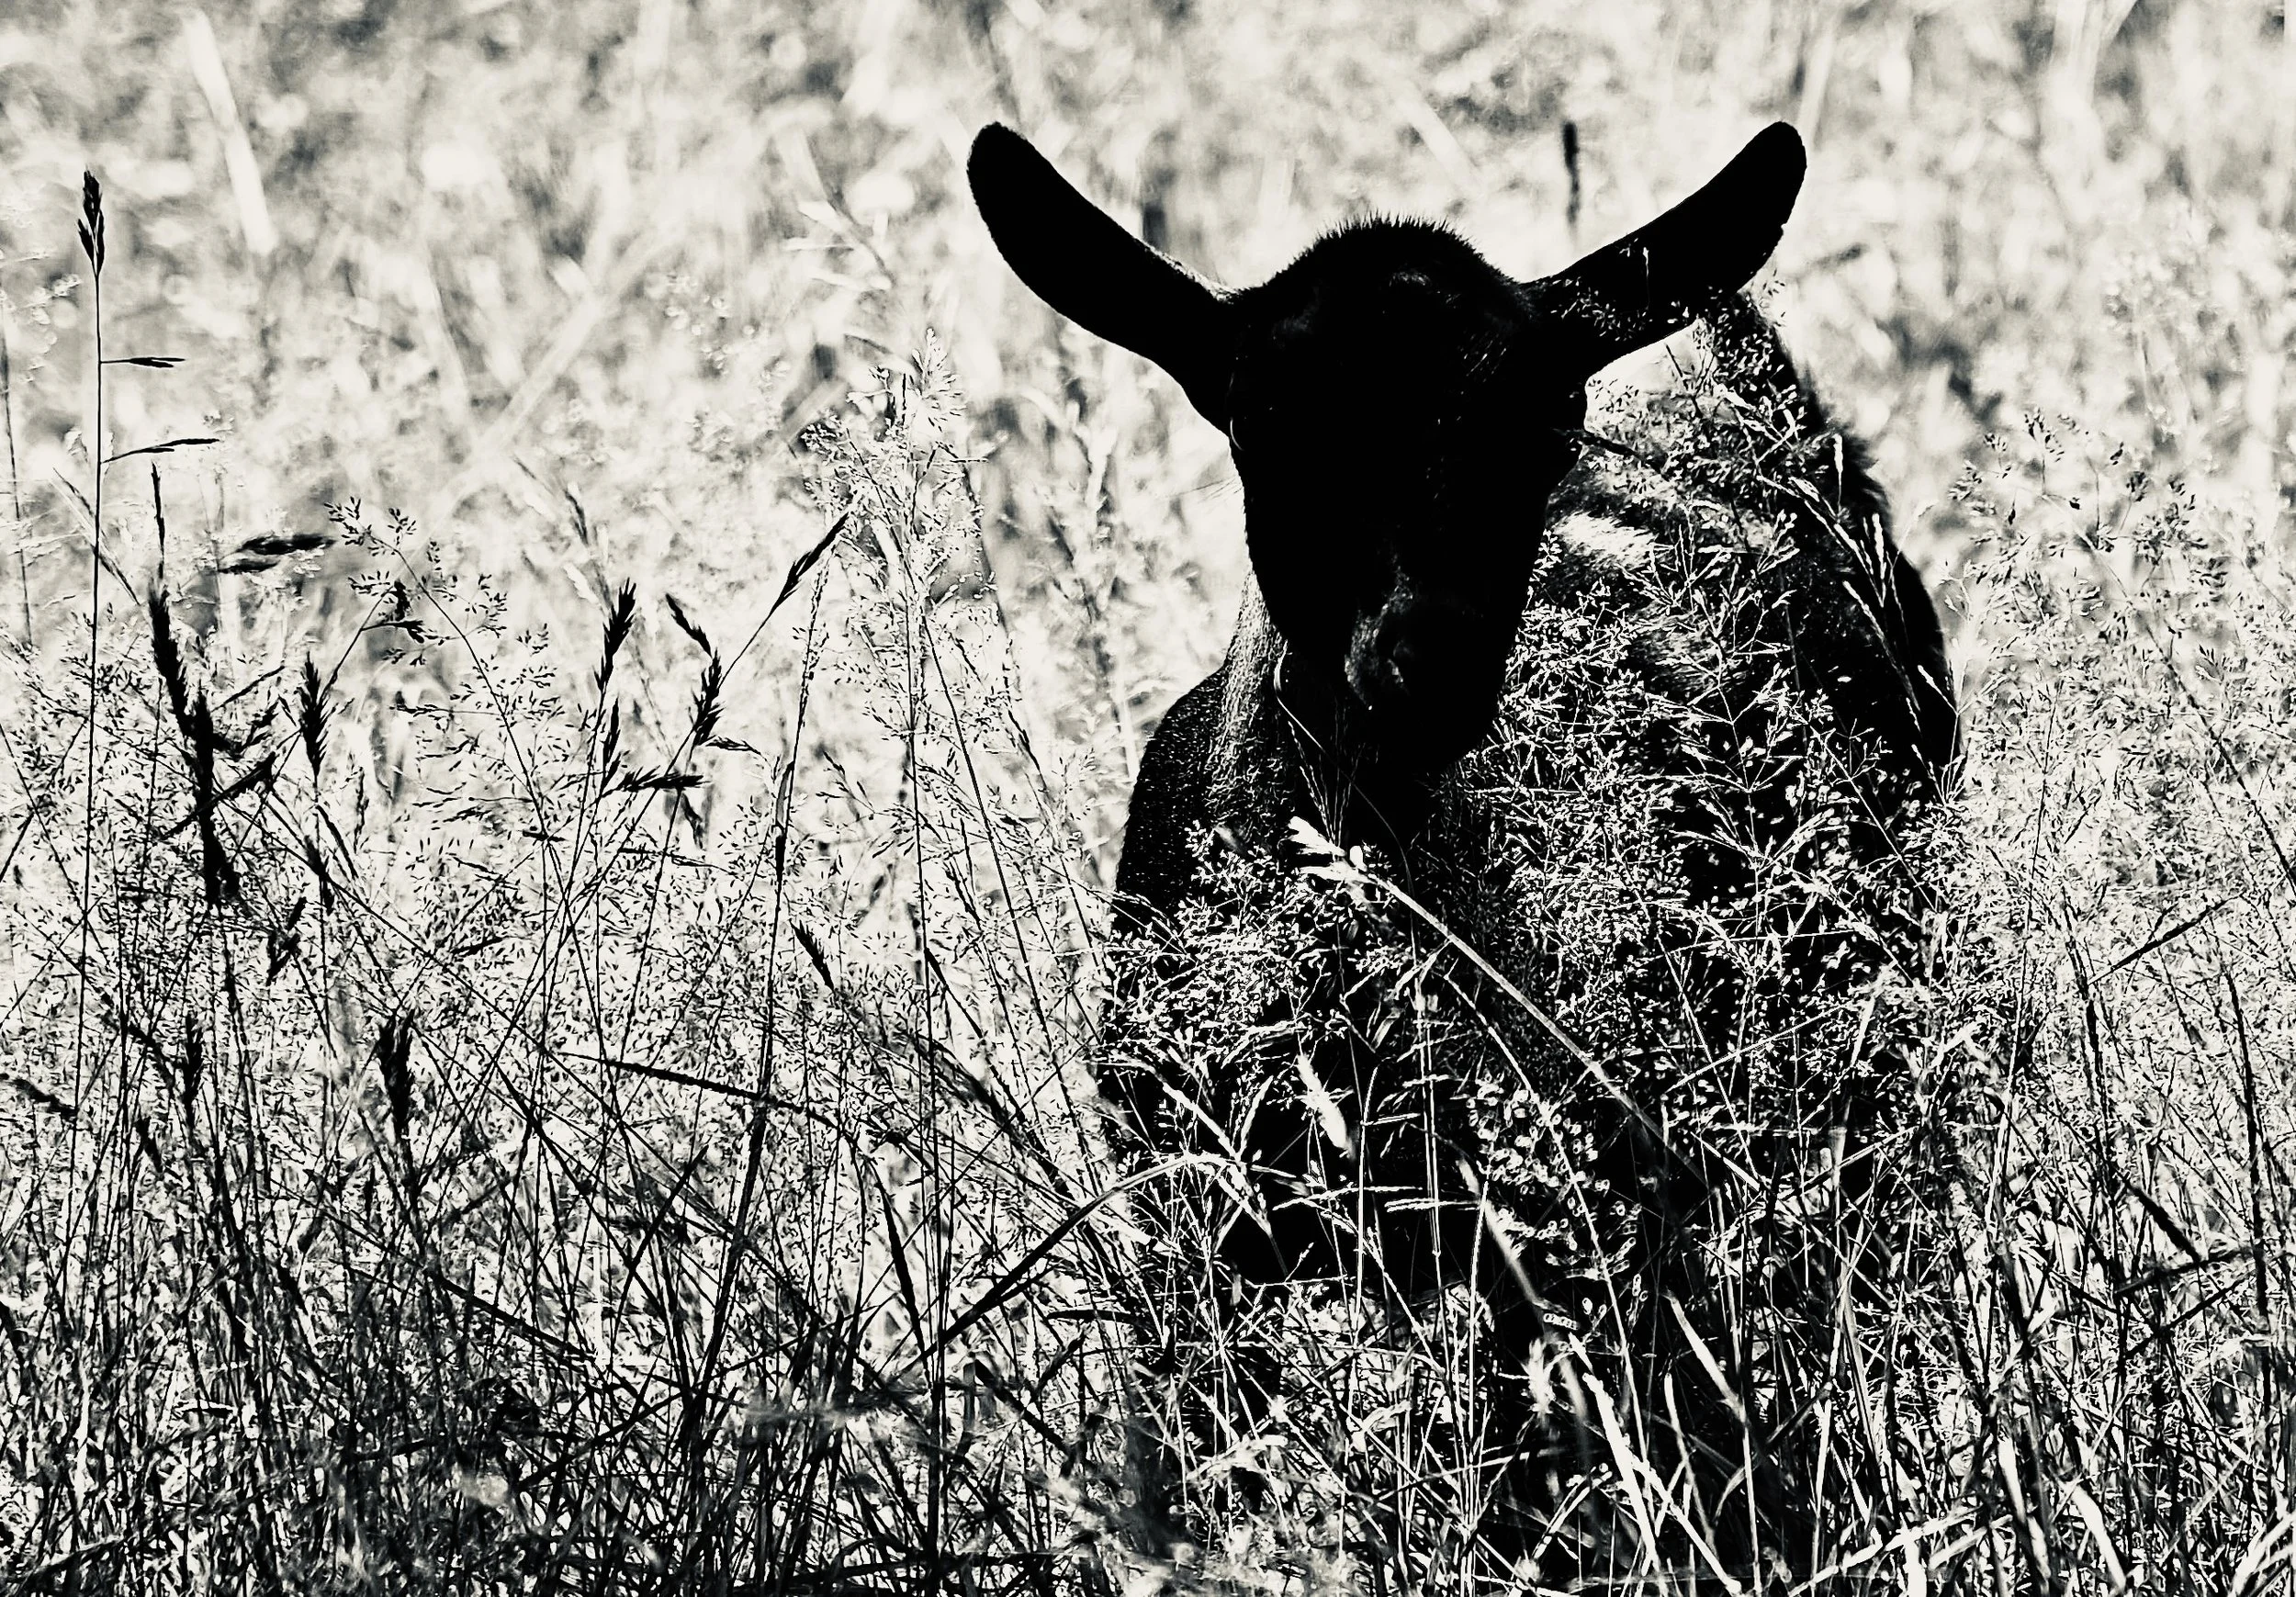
[
  {"x": 1661, "y": 277},
  {"x": 1084, "y": 265}
]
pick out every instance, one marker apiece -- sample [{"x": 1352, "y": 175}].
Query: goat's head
[{"x": 1399, "y": 410}]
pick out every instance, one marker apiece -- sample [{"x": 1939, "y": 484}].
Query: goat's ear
[
  {"x": 1661, "y": 277},
  {"x": 1084, "y": 265}
]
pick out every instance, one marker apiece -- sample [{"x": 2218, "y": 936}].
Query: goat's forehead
[{"x": 1367, "y": 267}]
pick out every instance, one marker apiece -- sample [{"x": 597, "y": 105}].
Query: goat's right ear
[{"x": 1084, "y": 265}]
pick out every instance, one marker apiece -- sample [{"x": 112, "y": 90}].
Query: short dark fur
[{"x": 1400, "y": 415}]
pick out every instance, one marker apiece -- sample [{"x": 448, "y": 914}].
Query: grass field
[{"x": 571, "y": 691}]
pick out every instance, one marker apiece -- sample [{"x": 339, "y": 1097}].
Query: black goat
[{"x": 1404, "y": 418}]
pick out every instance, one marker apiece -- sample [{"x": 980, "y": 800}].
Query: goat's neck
[{"x": 1282, "y": 748}]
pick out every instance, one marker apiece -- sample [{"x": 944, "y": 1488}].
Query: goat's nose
[{"x": 1419, "y": 648}]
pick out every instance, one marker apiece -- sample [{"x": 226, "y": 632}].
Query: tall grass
[
  {"x": 453, "y": 1144},
  {"x": 475, "y": 1122}
]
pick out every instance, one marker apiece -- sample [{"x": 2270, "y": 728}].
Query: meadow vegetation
[{"x": 569, "y": 694}]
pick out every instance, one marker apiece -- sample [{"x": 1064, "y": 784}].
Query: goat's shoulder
[{"x": 1755, "y": 494}]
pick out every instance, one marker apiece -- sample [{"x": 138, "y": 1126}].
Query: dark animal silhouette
[{"x": 1403, "y": 416}]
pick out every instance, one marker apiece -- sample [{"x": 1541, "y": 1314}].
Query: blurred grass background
[{"x": 568, "y": 285}]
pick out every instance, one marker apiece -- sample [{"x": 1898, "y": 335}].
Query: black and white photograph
[{"x": 1131, "y": 797}]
